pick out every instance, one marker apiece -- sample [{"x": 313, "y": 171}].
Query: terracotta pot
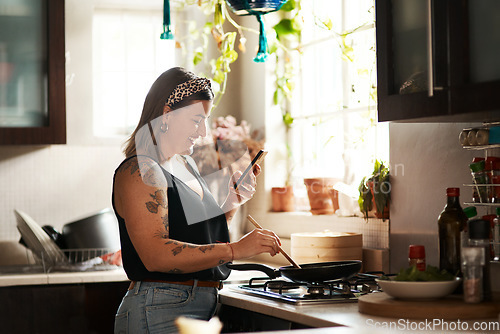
[
  {"x": 318, "y": 194},
  {"x": 282, "y": 199},
  {"x": 334, "y": 196}
]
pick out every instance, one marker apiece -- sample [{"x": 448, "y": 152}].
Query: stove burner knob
[{"x": 366, "y": 288}]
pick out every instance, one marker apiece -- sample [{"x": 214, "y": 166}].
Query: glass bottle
[{"x": 451, "y": 223}]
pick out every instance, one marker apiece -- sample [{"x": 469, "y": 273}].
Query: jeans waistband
[{"x": 208, "y": 284}]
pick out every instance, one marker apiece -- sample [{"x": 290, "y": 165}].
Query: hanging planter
[
  {"x": 167, "y": 31},
  {"x": 257, "y": 8}
]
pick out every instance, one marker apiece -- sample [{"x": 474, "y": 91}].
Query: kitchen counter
[
  {"x": 343, "y": 317},
  {"x": 99, "y": 276},
  {"x": 335, "y": 315}
]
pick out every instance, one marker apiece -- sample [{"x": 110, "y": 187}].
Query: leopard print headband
[{"x": 188, "y": 88}]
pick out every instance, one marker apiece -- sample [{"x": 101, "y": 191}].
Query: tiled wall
[
  {"x": 54, "y": 184},
  {"x": 375, "y": 231}
]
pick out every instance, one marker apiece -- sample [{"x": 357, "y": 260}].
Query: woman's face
[{"x": 185, "y": 125}]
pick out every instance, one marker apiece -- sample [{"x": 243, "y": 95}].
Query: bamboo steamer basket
[{"x": 327, "y": 246}]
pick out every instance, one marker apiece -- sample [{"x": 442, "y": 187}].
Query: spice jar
[
  {"x": 473, "y": 263},
  {"x": 480, "y": 179},
  {"x": 416, "y": 256}
]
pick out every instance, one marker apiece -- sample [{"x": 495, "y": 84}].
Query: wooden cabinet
[
  {"x": 32, "y": 73},
  {"x": 61, "y": 308},
  {"x": 437, "y": 58}
]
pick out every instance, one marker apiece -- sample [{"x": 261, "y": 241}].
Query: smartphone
[{"x": 257, "y": 159}]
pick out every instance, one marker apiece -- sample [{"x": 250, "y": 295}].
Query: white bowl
[{"x": 418, "y": 290}]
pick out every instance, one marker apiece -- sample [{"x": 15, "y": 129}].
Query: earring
[{"x": 163, "y": 127}]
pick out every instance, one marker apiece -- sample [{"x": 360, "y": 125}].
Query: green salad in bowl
[
  {"x": 431, "y": 273},
  {"x": 411, "y": 283}
]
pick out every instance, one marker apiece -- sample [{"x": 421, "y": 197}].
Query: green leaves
[
  {"x": 218, "y": 14},
  {"x": 288, "y": 119},
  {"x": 376, "y": 188},
  {"x": 228, "y": 56},
  {"x": 288, "y": 28},
  {"x": 431, "y": 273}
]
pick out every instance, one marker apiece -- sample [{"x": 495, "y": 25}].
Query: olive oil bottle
[{"x": 452, "y": 224}]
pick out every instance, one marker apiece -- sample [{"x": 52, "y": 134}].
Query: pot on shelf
[
  {"x": 318, "y": 192},
  {"x": 282, "y": 199}
]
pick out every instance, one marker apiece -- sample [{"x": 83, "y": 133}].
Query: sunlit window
[
  {"x": 128, "y": 55},
  {"x": 335, "y": 131}
]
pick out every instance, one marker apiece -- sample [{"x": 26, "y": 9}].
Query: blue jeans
[{"x": 152, "y": 307}]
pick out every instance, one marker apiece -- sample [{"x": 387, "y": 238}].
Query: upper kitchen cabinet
[
  {"x": 437, "y": 58},
  {"x": 32, "y": 72}
]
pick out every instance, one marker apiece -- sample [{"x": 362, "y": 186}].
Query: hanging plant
[
  {"x": 258, "y": 9},
  {"x": 167, "y": 30}
]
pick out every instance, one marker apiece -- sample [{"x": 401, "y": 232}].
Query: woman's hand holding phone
[{"x": 244, "y": 187}]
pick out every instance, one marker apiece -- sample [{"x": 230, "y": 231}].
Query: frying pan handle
[{"x": 268, "y": 270}]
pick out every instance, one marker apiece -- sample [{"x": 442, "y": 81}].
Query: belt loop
[
  {"x": 137, "y": 287},
  {"x": 195, "y": 285}
]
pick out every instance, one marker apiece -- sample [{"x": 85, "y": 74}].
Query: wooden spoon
[{"x": 254, "y": 222}]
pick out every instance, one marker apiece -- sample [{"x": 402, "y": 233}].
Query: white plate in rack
[{"x": 38, "y": 241}]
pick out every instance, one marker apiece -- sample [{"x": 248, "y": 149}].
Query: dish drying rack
[{"x": 78, "y": 260}]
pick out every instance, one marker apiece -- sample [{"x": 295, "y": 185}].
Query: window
[
  {"x": 128, "y": 55},
  {"x": 335, "y": 131}
]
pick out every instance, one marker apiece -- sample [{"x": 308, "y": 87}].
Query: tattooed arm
[{"x": 141, "y": 199}]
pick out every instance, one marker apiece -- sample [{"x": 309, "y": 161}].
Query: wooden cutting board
[{"x": 451, "y": 307}]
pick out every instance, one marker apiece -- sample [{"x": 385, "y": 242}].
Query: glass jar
[
  {"x": 479, "y": 236},
  {"x": 473, "y": 263}
]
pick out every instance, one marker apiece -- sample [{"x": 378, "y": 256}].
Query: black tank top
[{"x": 205, "y": 223}]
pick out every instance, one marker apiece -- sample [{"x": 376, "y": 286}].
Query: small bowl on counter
[{"x": 418, "y": 290}]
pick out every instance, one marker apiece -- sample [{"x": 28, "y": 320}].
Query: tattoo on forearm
[
  {"x": 221, "y": 261},
  {"x": 181, "y": 246},
  {"x": 203, "y": 249}
]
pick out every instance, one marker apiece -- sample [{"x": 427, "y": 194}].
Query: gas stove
[{"x": 339, "y": 291}]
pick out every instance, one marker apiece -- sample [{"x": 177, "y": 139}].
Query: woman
[{"x": 174, "y": 236}]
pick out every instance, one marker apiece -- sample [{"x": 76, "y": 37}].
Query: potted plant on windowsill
[{"x": 375, "y": 192}]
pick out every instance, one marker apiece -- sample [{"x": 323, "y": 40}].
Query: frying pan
[{"x": 307, "y": 273}]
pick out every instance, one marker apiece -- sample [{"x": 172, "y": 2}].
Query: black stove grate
[{"x": 331, "y": 291}]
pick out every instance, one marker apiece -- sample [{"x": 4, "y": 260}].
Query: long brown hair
[{"x": 156, "y": 98}]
